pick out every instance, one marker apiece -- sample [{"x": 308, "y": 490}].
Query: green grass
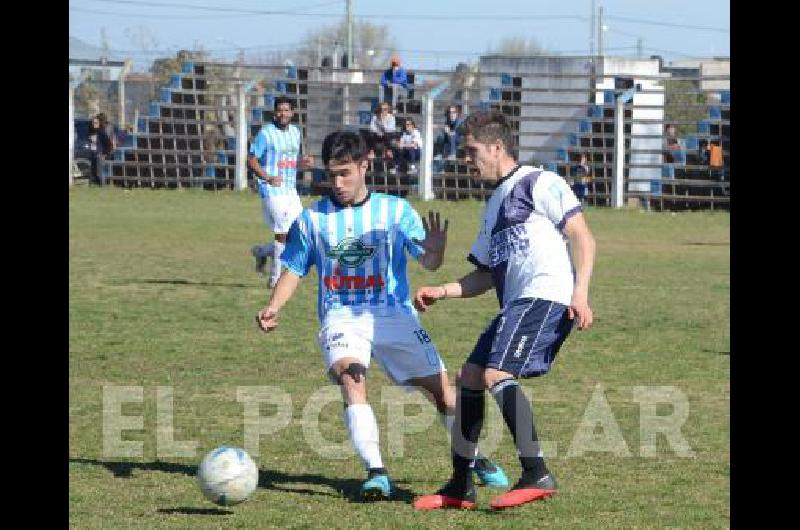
[{"x": 163, "y": 293}]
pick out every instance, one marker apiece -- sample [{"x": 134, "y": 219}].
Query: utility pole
[
  {"x": 349, "y": 34},
  {"x": 591, "y": 32},
  {"x": 639, "y": 47},
  {"x": 600, "y": 32}
]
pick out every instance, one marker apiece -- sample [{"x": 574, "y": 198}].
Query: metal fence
[{"x": 198, "y": 122}]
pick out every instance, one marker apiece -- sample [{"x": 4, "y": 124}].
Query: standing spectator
[
  {"x": 94, "y": 129},
  {"x": 411, "y": 145},
  {"x": 106, "y": 143},
  {"x": 715, "y": 169},
  {"x": 393, "y": 76},
  {"x": 582, "y": 174},
  {"x": 446, "y": 144}
]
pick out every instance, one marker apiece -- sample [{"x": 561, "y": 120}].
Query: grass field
[{"x": 163, "y": 294}]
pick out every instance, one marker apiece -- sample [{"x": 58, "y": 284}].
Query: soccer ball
[{"x": 227, "y": 476}]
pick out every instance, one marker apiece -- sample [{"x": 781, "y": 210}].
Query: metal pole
[
  {"x": 426, "y": 166},
  {"x": 349, "y": 34},
  {"x": 618, "y": 184},
  {"x": 600, "y": 32},
  {"x": 591, "y": 32},
  {"x": 121, "y": 93},
  {"x": 240, "y": 181},
  {"x": 71, "y": 129}
]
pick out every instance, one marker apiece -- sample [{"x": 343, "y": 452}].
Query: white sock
[
  {"x": 447, "y": 423},
  {"x": 363, "y": 429},
  {"x": 276, "y": 258}
]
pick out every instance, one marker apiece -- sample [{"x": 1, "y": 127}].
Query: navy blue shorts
[{"x": 524, "y": 338}]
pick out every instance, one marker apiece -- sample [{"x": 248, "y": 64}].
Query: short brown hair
[{"x": 488, "y": 126}]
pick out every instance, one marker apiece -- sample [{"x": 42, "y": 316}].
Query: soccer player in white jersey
[
  {"x": 531, "y": 223},
  {"x": 275, "y": 155},
  {"x": 358, "y": 242}
]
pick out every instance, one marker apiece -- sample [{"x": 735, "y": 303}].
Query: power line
[
  {"x": 669, "y": 24},
  {"x": 151, "y": 15}
]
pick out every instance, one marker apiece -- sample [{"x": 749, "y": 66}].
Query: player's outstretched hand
[
  {"x": 580, "y": 311},
  {"x": 435, "y": 234},
  {"x": 275, "y": 180},
  {"x": 267, "y": 319},
  {"x": 427, "y": 296}
]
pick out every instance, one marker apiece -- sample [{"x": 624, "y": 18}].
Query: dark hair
[
  {"x": 412, "y": 121},
  {"x": 344, "y": 147},
  {"x": 488, "y": 126},
  {"x": 283, "y": 99}
]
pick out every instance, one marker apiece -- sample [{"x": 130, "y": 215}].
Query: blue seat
[
  {"x": 175, "y": 81},
  {"x": 679, "y": 156},
  {"x": 608, "y": 97},
  {"x": 494, "y": 94},
  {"x": 269, "y": 101},
  {"x": 668, "y": 171},
  {"x": 280, "y": 86},
  {"x": 714, "y": 112},
  {"x": 141, "y": 125},
  {"x": 256, "y": 113},
  {"x": 551, "y": 166},
  {"x": 483, "y": 105},
  {"x": 187, "y": 67},
  {"x": 505, "y": 80},
  {"x": 725, "y": 97},
  {"x": 364, "y": 117},
  {"x": 230, "y": 144},
  {"x": 222, "y": 158},
  {"x": 155, "y": 109},
  {"x": 291, "y": 72},
  {"x": 703, "y": 127},
  {"x": 561, "y": 155},
  {"x": 655, "y": 186},
  {"x": 596, "y": 111},
  {"x": 584, "y": 126},
  {"x": 572, "y": 138},
  {"x": 166, "y": 95},
  {"x": 692, "y": 143}
]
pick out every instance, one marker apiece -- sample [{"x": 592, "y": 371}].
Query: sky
[{"x": 428, "y": 33}]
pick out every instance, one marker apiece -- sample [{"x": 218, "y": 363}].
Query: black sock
[
  {"x": 519, "y": 418},
  {"x": 466, "y": 430},
  {"x": 371, "y": 472}
]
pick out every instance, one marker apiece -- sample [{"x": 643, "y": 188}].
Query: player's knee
[
  {"x": 350, "y": 374},
  {"x": 471, "y": 376}
]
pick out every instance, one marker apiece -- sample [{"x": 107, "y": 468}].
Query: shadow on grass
[
  {"x": 179, "y": 281},
  {"x": 267, "y": 479},
  {"x": 194, "y": 511}
]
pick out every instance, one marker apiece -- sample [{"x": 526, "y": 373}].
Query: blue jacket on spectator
[{"x": 396, "y": 76}]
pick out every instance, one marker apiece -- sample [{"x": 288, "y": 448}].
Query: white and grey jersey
[{"x": 521, "y": 239}]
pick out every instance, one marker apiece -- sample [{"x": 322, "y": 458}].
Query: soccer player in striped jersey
[
  {"x": 531, "y": 224},
  {"x": 275, "y": 155},
  {"x": 358, "y": 242}
]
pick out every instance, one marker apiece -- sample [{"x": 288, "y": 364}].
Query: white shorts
[
  {"x": 280, "y": 211},
  {"x": 399, "y": 343}
]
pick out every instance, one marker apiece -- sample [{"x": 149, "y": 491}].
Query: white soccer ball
[{"x": 227, "y": 476}]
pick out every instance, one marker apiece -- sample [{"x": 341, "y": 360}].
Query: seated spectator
[
  {"x": 383, "y": 129},
  {"x": 446, "y": 143},
  {"x": 392, "y": 77},
  {"x": 582, "y": 174},
  {"x": 672, "y": 143},
  {"x": 410, "y": 145}
]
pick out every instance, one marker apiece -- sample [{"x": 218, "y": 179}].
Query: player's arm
[
  {"x": 272, "y": 180},
  {"x": 267, "y": 318},
  {"x": 582, "y": 246},
  {"x": 475, "y": 283}
]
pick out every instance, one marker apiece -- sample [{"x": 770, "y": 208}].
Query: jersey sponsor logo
[
  {"x": 504, "y": 243},
  {"x": 521, "y": 345},
  {"x": 351, "y": 252},
  {"x": 287, "y": 164},
  {"x": 352, "y": 283}
]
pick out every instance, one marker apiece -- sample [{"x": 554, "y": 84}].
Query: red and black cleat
[
  {"x": 524, "y": 492},
  {"x": 450, "y": 496}
]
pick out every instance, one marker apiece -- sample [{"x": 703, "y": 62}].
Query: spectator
[
  {"x": 446, "y": 144},
  {"x": 582, "y": 174},
  {"x": 715, "y": 169},
  {"x": 393, "y": 76},
  {"x": 672, "y": 143},
  {"x": 106, "y": 142},
  {"x": 383, "y": 129},
  {"x": 410, "y": 145}
]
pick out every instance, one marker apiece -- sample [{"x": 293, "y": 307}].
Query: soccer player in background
[
  {"x": 275, "y": 156},
  {"x": 530, "y": 224},
  {"x": 358, "y": 242}
]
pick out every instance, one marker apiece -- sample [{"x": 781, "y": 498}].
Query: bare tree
[
  {"x": 373, "y": 45},
  {"x": 518, "y": 46}
]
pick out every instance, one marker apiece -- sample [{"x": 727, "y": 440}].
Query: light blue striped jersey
[
  {"x": 278, "y": 151},
  {"x": 359, "y": 253}
]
